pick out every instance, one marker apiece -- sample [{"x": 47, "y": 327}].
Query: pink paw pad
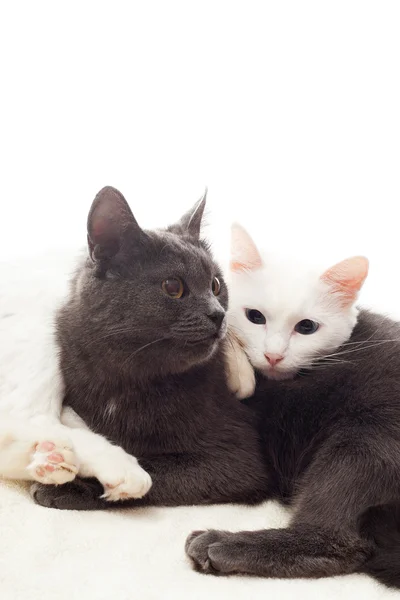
[
  {"x": 55, "y": 457},
  {"x": 45, "y": 447}
]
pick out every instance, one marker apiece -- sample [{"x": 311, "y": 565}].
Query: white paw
[
  {"x": 53, "y": 462},
  {"x": 245, "y": 384},
  {"x": 124, "y": 478},
  {"x": 240, "y": 373}
]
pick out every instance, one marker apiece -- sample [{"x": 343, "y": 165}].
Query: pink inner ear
[
  {"x": 99, "y": 227},
  {"x": 244, "y": 253},
  {"x": 347, "y": 277}
]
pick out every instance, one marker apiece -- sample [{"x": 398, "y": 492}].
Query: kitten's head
[
  {"x": 287, "y": 319},
  {"x": 154, "y": 300}
]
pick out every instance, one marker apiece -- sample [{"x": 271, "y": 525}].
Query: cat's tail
[{"x": 384, "y": 529}]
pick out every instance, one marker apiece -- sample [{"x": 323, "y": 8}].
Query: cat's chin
[
  {"x": 202, "y": 354},
  {"x": 278, "y": 375},
  {"x": 210, "y": 352}
]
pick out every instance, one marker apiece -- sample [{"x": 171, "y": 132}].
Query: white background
[{"x": 288, "y": 111}]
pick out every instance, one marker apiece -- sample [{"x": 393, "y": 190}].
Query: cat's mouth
[
  {"x": 210, "y": 340},
  {"x": 277, "y": 374}
]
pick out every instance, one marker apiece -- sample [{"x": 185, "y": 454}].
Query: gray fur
[{"x": 159, "y": 360}]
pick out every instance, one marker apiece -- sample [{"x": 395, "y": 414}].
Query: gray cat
[{"x": 142, "y": 360}]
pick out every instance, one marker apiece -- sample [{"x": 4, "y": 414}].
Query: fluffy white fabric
[
  {"x": 138, "y": 554},
  {"x": 131, "y": 554}
]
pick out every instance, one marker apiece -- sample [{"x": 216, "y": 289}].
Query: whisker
[
  {"x": 359, "y": 349},
  {"x": 329, "y": 360},
  {"x": 323, "y": 364},
  {"x": 140, "y": 349},
  {"x": 121, "y": 331},
  {"x": 368, "y": 341},
  {"x": 147, "y": 345}
]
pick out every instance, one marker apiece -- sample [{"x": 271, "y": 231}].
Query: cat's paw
[
  {"x": 123, "y": 478},
  {"x": 202, "y": 547},
  {"x": 240, "y": 374},
  {"x": 80, "y": 494},
  {"x": 228, "y": 553},
  {"x": 239, "y": 371},
  {"x": 53, "y": 462},
  {"x": 245, "y": 383}
]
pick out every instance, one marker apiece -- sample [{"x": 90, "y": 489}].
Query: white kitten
[
  {"x": 34, "y": 443},
  {"x": 282, "y": 317}
]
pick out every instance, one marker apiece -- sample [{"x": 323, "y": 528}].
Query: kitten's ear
[
  {"x": 244, "y": 253},
  {"x": 190, "y": 223},
  {"x": 110, "y": 224},
  {"x": 347, "y": 277}
]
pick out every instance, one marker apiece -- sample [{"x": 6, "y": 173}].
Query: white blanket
[
  {"x": 135, "y": 554},
  {"x": 130, "y": 554}
]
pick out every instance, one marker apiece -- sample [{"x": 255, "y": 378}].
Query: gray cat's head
[{"x": 152, "y": 301}]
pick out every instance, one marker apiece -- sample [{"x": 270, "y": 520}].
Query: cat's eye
[
  {"x": 306, "y": 327},
  {"x": 173, "y": 287},
  {"x": 255, "y": 316},
  {"x": 216, "y": 286}
]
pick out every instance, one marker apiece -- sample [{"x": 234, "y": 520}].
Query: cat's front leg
[
  {"x": 119, "y": 473},
  {"x": 224, "y": 474},
  {"x": 309, "y": 551},
  {"x": 239, "y": 371}
]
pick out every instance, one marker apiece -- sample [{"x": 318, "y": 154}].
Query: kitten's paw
[
  {"x": 246, "y": 384},
  {"x": 124, "y": 478},
  {"x": 53, "y": 463},
  {"x": 240, "y": 373},
  {"x": 242, "y": 380}
]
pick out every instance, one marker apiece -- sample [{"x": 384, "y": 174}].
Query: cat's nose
[
  {"x": 217, "y": 317},
  {"x": 273, "y": 359}
]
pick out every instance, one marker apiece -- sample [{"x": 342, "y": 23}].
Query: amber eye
[
  {"x": 216, "y": 286},
  {"x": 173, "y": 287}
]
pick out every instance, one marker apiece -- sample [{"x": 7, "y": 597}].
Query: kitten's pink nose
[{"x": 273, "y": 359}]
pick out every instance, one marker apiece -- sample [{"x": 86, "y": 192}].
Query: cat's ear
[
  {"x": 190, "y": 223},
  {"x": 347, "y": 277},
  {"x": 244, "y": 253},
  {"x": 110, "y": 225}
]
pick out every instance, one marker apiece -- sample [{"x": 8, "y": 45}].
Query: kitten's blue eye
[
  {"x": 306, "y": 327},
  {"x": 255, "y": 316}
]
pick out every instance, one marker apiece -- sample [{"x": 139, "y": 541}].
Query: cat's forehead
[
  {"x": 290, "y": 297},
  {"x": 280, "y": 291},
  {"x": 176, "y": 250}
]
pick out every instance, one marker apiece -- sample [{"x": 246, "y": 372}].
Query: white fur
[
  {"x": 31, "y": 390},
  {"x": 240, "y": 373},
  {"x": 285, "y": 293}
]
